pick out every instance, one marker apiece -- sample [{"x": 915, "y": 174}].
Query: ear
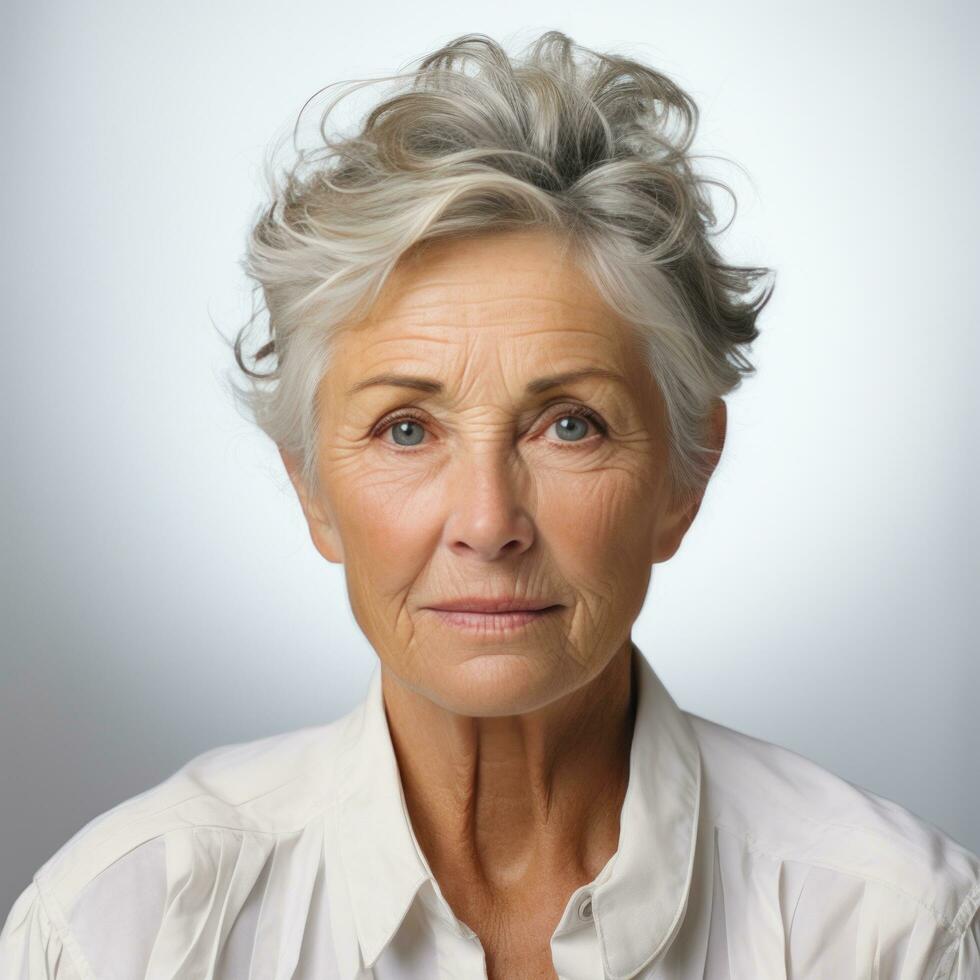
[
  {"x": 323, "y": 531},
  {"x": 675, "y": 522}
]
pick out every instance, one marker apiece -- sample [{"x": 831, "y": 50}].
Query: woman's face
[{"x": 488, "y": 480}]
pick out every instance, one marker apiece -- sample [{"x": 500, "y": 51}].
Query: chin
[{"x": 492, "y": 682}]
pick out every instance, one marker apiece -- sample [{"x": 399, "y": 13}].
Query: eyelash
[{"x": 578, "y": 411}]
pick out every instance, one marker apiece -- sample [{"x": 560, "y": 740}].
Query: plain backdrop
[{"x": 160, "y": 592}]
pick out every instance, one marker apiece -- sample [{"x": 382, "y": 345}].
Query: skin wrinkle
[{"x": 513, "y": 752}]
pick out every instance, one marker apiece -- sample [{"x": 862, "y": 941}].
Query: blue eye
[
  {"x": 573, "y": 423},
  {"x": 402, "y": 428},
  {"x": 569, "y": 425}
]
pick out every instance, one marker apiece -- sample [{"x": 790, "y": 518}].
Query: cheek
[
  {"x": 601, "y": 534},
  {"x": 388, "y": 520}
]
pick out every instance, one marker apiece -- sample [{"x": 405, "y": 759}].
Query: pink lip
[
  {"x": 492, "y": 623},
  {"x": 476, "y": 604}
]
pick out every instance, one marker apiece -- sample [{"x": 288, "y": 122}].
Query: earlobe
[
  {"x": 675, "y": 524},
  {"x": 671, "y": 532},
  {"x": 322, "y": 531},
  {"x": 326, "y": 541}
]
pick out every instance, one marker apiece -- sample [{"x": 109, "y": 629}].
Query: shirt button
[{"x": 585, "y": 909}]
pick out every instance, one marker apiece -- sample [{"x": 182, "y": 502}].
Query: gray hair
[{"x": 577, "y": 145}]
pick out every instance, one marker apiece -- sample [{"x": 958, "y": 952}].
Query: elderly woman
[{"x": 502, "y": 341}]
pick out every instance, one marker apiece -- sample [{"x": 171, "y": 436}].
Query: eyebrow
[{"x": 433, "y": 387}]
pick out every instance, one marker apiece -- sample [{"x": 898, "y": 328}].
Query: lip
[
  {"x": 477, "y": 604},
  {"x": 492, "y": 624}
]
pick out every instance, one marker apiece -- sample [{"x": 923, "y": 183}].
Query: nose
[{"x": 487, "y": 515}]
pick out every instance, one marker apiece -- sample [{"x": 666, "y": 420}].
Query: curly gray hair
[{"x": 577, "y": 145}]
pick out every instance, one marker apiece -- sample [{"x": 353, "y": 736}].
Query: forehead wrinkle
[
  {"x": 500, "y": 334},
  {"x": 465, "y": 361},
  {"x": 413, "y": 333},
  {"x": 462, "y": 355},
  {"x": 498, "y": 313}
]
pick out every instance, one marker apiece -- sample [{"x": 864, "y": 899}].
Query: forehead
[{"x": 513, "y": 294}]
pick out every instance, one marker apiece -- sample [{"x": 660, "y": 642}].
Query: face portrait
[
  {"x": 495, "y": 307},
  {"x": 527, "y": 460}
]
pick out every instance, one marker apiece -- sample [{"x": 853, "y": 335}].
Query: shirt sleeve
[
  {"x": 966, "y": 962},
  {"x": 30, "y": 946}
]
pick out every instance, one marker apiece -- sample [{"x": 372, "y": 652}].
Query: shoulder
[
  {"x": 775, "y": 803},
  {"x": 209, "y": 829},
  {"x": 270, "y": 787}
]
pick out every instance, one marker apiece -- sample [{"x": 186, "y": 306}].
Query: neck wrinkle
[{"x": 519, "y": 808}]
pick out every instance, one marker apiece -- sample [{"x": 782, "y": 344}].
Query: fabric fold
[
  {"x": 30, "y": 946},
  {"x": 219, "y": 872},
  {"x": 961, "y": 961},
  {"x": 211, "y": 872},
  {"x": 966, "y": 964},
  {"x": 750, "y": 886}
]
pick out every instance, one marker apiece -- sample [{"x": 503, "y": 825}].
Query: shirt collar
[
  {"x": 639, "y": 908},
  {"x": 382, "y": 861},
  {"x": 641, "y": 897}
]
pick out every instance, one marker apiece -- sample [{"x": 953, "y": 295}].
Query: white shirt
[{"x": 293, "y": 858}]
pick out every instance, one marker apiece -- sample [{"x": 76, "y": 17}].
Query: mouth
[
  {"x": 502, "y": 604},
  {"x": 491, "y": 617}
]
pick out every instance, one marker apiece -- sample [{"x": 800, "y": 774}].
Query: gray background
[{"x": 160, "y": 593}]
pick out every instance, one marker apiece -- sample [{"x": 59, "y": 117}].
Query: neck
[{"x": 515, "y": 807}]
